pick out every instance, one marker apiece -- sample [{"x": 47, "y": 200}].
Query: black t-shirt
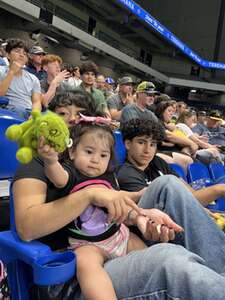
[
  {"x": 132, "y": 179},
  {"x": 75, "y": 177},
  {"x": 78, "y": 181},
  {"x": 35, "y": 169}
]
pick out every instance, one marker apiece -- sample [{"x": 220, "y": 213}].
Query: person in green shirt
[{"x": 89, "y": 71}]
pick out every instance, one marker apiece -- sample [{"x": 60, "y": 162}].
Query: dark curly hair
[
  {"x": 78, "y": 98},
  {"x": 16, "y": 43},
  {"x": 138, "y": 127},
  {"x": 89, "y": 66}
]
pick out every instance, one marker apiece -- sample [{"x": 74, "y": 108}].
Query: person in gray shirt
[
  {"x": 212, "y": 129},
  {"x": 138, "y": 110},
  {"x": 124, "y": 97},
  {"x": 18, "y": 85}
]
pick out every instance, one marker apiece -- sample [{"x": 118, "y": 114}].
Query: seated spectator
[
  {"x": 100, "y": 82},
  {"x": 36, "y": 54},
  {"x": 138, "y": 110},
  {"x": 109, "y": 87},
  {"x": 52, "y": 84},
  {"x": 158, "y": 99},
  {"x": 201, "y": 117},
  {"x": 213, "y": 130},
  {"x": 174, "y": 143},
  {"x": 181, "y": 107},
  {"x": 184, "y": 124},
  {"x": 69, "y": 105},
  {"x": 19, "y": 86},
  {"x": 173, "y": 140},
  {"x": 119, "y": 100},
  {"x": 76, "y": 76},
  {"x": 3, "y": 56},
  {"x": 143, "y": 165},
  {"x": 89, "y": 71},
  {"x": 74, "y": 80}
]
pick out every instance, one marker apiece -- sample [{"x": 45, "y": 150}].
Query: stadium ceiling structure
[{"x": 119, "y": 20}]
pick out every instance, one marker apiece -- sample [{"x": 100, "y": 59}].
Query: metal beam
[
  {"x": 30, "y": 11},
  {"x": 95, "y": 43},
  {"x": 197, "y": 84},
  {"x": 22, "y": 8}
]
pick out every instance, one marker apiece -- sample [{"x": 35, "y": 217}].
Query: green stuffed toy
[{"x": 49, "y": 125}]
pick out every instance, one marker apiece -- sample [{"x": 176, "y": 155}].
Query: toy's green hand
[{"x": 24, "y": 155}]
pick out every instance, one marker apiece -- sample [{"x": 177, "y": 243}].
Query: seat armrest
[{"x": 48, "y": 267}]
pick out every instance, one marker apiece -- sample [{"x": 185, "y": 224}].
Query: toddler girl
[{"x": 95, "y": 237}]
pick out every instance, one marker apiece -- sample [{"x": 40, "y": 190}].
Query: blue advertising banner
[{"x": 168, "y": 35}]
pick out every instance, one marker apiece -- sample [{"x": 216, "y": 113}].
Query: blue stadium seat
[
  {"x": 198, "y": 177},
  {"x": 120, "y": 149},
  {"x": 31, "y": 263},
  {"x": 179, "y": 170},
  {"x": 8, "y": 162},
  {"x": 3, "y": 101},
  {"x": 197, "y": 171},
  {"x": 216, "y": 170}
]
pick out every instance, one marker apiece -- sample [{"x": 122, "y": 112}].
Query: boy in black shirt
[{"x": 142, "y": 165}]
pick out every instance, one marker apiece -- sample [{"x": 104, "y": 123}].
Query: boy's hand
[
  {"x": 15, "y": 67},
  {"x": 156, "y": 225},
  {"x": 48, "y": 153}
]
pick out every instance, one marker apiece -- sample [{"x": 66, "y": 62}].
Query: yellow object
[
  {"x": 179, "y": 133},
  {"x": 220, "y": 220}
]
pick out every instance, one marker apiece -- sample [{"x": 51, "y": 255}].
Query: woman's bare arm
[{"x": 36, "y": 218}]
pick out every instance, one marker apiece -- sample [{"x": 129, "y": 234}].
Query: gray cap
[
  {"x": 37, "y": 50},
  {"x": 125, "y": 80}
]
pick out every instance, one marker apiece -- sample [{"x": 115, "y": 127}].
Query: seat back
[
  {"x": 179, "y": 170},
  {"x": 199, "y": 177},
  {"x": 216, "y": 170},
  {"x": 3, "y": 101},
  {"x": 120, "y": 150},
  {"x": 196, "y": 171},
  {"x": 218, "y": 205},
  {"x": 8, "y": 162}
]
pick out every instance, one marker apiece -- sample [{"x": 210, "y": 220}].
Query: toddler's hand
[{"x": 47, "y": 153}]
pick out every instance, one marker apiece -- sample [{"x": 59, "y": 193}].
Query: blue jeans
[{"x": 169, "y": 271}]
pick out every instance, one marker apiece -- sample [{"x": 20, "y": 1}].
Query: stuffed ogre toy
[{"x": 48, "y": 124}]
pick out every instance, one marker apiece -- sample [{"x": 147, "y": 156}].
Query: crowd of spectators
[{"x": 31, "y": 78}]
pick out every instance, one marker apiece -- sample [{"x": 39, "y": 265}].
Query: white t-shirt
[
  {"x": 185, "y": 129},
  {"x": 20, "y": 89}
]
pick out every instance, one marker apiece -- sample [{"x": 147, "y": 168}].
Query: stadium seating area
[{"x": 29, "y": 262}]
